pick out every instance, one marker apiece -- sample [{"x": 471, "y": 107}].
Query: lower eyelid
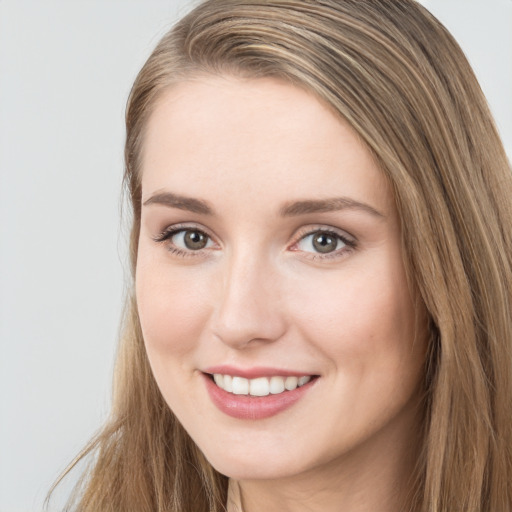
[
  {"x": 166, "y": 236},
  {"x": 183, "y": 253}
]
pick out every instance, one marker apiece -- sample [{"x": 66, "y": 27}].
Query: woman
[{"x": 321, "y": 313}]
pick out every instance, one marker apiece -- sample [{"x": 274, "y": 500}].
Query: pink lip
[{"x": 247, "y": 407}]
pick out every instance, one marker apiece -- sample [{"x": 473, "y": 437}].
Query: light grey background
[{"x": 66, "y": 67}]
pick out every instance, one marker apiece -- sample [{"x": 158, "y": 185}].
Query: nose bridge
[{"x": 249, "y": 308}]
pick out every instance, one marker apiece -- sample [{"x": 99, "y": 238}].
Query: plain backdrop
[{"x": 66, "y": 67}]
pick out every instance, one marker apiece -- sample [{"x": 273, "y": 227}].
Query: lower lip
[{"x": 246, "y": 407}]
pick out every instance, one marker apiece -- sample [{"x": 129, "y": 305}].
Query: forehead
[{"x": 220, "y": 137}]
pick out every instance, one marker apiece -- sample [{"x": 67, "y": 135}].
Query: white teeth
[
  {"x": 261, "y": 386},
  {"x": 291, "y": 383},
  {"x": 228, "y": 383},
  {"x": 276, "y": 385},
  {"x": 240, "y": 386},
  {"x": 303, "y": 380}
]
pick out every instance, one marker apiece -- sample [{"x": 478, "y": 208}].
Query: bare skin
[{"x": 270, "y": 239}]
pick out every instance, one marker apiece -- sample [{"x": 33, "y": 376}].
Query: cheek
[
  {"x": 172, "y": 308},
  {"x": 364, "y": 326},
  {"x": 363, "y": 321}
]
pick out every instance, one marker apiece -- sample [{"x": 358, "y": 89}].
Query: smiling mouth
[{"x": 261, "y": 386}]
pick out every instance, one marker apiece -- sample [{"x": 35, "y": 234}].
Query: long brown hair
[{"x": 395, "y": 74}]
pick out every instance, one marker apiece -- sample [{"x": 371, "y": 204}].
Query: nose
[{"x": 250, "y": 310}]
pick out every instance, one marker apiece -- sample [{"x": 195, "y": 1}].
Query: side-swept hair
[{"x": 395, "y": 74}]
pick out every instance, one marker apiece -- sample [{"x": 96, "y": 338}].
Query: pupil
[
  {"x": 324, "y": 243},
  {"x": 195, "y": 240}
]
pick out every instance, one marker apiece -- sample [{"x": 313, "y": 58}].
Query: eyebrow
[
  {"x": 290, "y": 209},
  {"x": 327, "y": 205},
  {"x": 181, "y": 202}
]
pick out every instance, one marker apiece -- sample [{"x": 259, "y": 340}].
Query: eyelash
[
  {"x": 350, "y": 243},
  {"x": 168, "y": 233}
]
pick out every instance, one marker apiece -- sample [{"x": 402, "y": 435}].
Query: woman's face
[{"x": 269, "y": 255}]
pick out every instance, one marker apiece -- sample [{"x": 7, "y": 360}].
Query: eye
[
  {"x": 191, "y": 239},
  {"x": 324, "y": 242},
  {"x": 185, "y": 240}
]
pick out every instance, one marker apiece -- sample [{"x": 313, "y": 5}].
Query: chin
[
  {"x": 240, "y": 470},
  {"x": 258, "y": 464}
]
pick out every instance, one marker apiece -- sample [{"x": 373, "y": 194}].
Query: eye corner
[
  {"x": 185, "y": 240},
  {"x": 314, "y": 252}
]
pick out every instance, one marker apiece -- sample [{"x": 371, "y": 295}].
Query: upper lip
[{"x": 255, "y": 371}]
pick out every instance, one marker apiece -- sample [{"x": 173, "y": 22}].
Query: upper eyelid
[
  {"x": 349, "y": 241},
  {"x": 176, "y": 228},
  {"x": 297, "y": 237},
  {"x": 303, "y": 232},
  {"x": 311, "y": 228},
  {"x": 165, "y": 236}
]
